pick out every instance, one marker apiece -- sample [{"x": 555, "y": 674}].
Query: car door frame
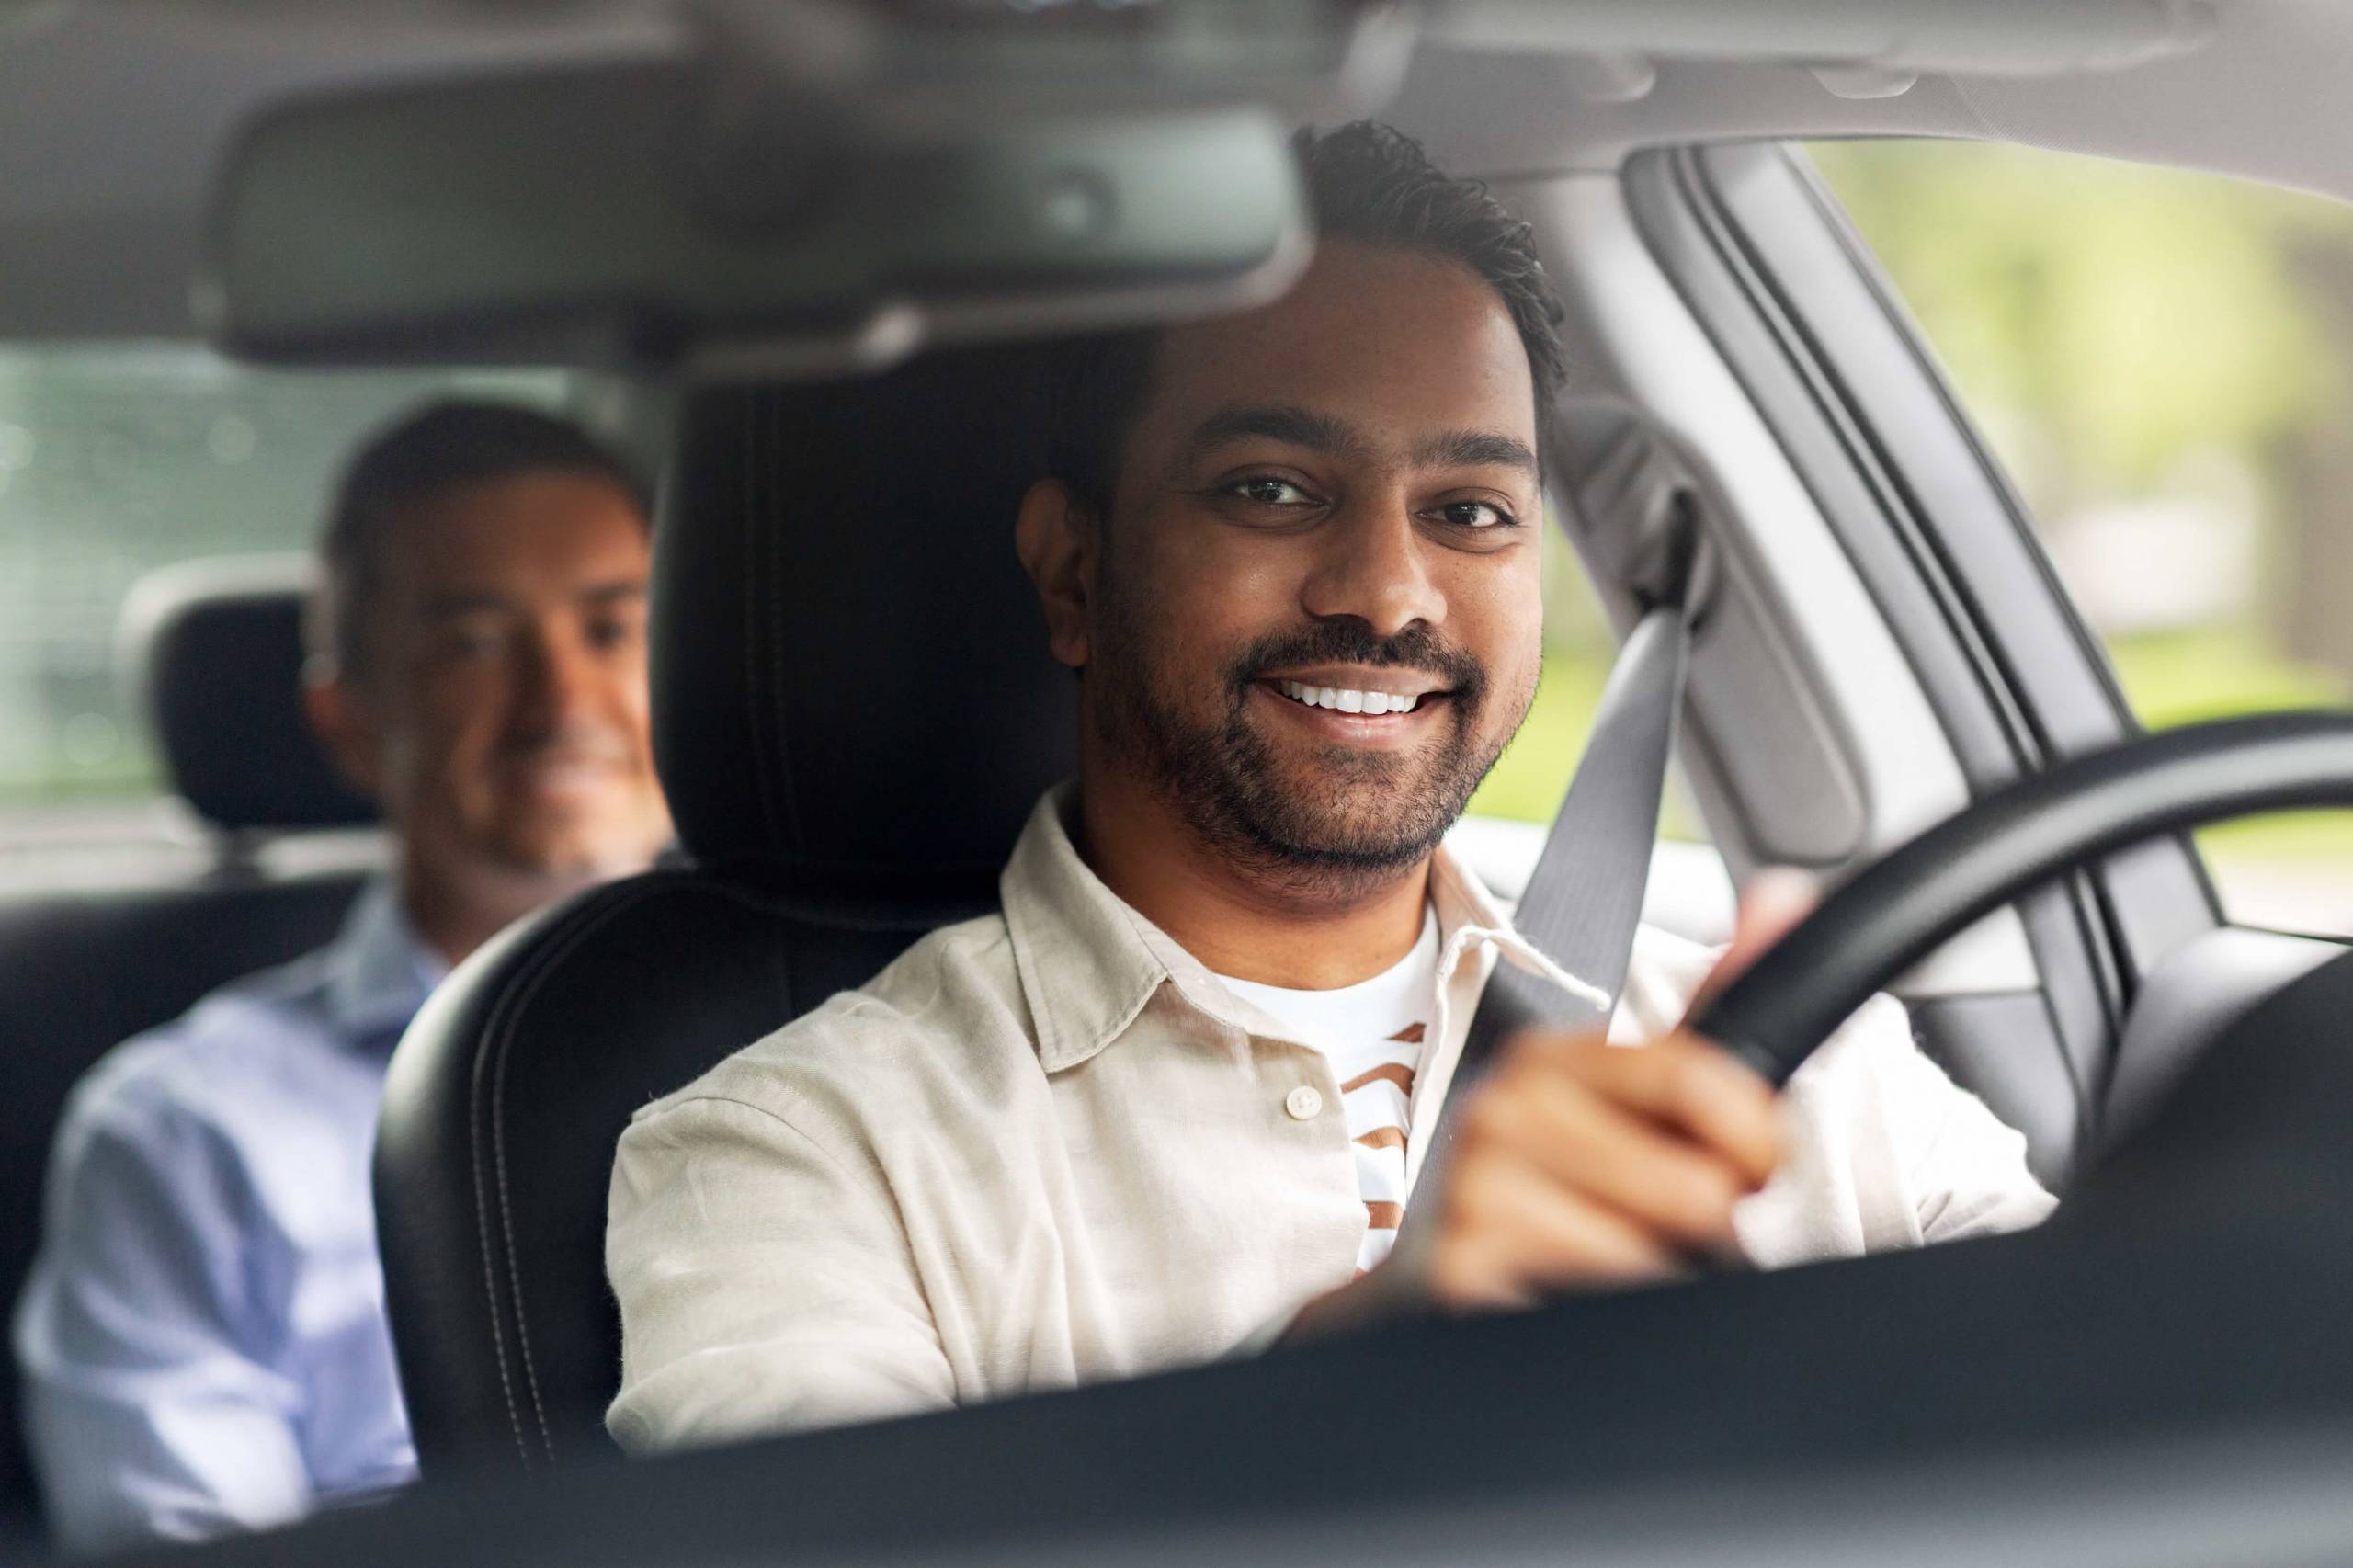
[{"x": 1817, "y": 336}]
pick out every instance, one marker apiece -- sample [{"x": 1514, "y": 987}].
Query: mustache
[
  {"x": 1355, "y": 642},
  {"x": 589, "y": 742}
]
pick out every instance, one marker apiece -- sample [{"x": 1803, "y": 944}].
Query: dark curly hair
[{"x": 1367, "y": 182}]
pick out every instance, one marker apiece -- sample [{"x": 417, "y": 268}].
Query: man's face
[
  {"x": 502, "y": 719},
  {"x": 1334, "y": 498}
]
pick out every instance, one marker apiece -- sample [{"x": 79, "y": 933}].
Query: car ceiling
[{"x": 113, "y": 112}]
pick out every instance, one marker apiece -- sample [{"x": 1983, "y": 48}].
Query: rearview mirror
[{"x": 731, "y": 208}]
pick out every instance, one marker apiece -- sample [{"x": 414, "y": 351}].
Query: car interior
[
  {"x": 218, "y": 651},
  {"x": 853, "y": 722}
]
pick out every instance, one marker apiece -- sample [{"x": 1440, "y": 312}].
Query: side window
[
  {"x": 115, "y": 460},
  {"x": 2164, "y": 363}
]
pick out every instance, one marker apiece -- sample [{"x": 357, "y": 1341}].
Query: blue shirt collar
[{"x": 378, "y": 972}]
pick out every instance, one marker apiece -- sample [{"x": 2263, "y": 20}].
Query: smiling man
[
  {"x": 1172, "y": 1102},
  {"x": 203, "y": 1339}
]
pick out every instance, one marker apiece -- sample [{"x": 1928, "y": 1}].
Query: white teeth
[{"x": 1345, "y": 702}]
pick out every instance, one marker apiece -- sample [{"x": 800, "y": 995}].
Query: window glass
[
  {"x": 115, "y": 460},
  {"x": 2164, "y": 363}
]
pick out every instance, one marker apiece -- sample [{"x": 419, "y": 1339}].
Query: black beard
[{"x": 1222, "y": 779}]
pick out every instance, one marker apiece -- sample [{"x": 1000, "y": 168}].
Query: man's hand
[{"x": 1582, "y": 1165}]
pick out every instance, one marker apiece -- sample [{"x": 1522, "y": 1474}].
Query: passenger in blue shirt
[{"x": 203, "y": 1337}]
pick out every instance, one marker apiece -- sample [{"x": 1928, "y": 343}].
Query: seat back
[
  {"x": 88, "y": 963},
  {"x": 853, "y": 714}
]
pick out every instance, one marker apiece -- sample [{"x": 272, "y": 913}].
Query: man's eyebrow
[
  {"x": 452, "y": 603},
  {"x": 1286, "y": 423},
  {"x": 1474, "y": 448}
]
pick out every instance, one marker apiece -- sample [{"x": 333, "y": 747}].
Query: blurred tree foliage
[
  {"x": 2102, "y": 319},
  {"x": 2113, "y": 329}
]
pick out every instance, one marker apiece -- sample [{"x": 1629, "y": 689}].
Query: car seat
[{"x": 854, "y": 713}]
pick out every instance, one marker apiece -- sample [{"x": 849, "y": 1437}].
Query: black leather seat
[
  {"x": 87, "y": 962},
  {"x": 854, "y": 713}
]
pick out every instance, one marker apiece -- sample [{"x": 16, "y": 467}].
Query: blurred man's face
[
  {"x": 502, "y": 718},
  {"x": 1317, "y": 613}
]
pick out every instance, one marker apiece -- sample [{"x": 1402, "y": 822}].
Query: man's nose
[
  {"x": 1374, "y": 566},
  {"x": 560, "y": 679}
]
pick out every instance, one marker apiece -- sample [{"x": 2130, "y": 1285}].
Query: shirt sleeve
[
  {"x": 1885, "y": 1150},
  {"x": 1969, "y": 1171},
  {"x": 766, "y": 1284},
  {"x": 1889, "y": 1152},
  {"x": 150, "y": 1408}
]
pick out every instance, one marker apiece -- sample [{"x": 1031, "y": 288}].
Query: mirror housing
[{"x": 791, "y": 189}]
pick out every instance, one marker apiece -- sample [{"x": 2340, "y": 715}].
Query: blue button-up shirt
[{"x": 203, "y": 1336}]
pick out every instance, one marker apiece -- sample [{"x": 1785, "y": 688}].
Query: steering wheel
[{"x": 1899, "y": 909}]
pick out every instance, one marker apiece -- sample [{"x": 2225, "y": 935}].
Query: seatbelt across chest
[{"x": 1584, "y": 899}]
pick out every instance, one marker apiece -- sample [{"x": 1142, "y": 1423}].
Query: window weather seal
[
  {"x": 1767, "y": 341},
  {"x": 2046, "y": 664}
]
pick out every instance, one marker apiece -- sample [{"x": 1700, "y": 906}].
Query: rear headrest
[
  {"x": 216, "y": 646},
  {"x": 851, "y": 688}
]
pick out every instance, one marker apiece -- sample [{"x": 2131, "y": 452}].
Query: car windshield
[{"x": 779, "y": 781}]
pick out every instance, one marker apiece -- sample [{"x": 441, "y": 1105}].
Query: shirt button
[{"x": 1303, "y": 1102}]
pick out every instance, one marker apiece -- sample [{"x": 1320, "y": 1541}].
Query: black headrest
[
  {"x": 217, "y": 645},
  {"x": 851, "y": 688}
]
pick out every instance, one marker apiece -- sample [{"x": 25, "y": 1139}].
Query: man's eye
[
  {"x": 472, "y": 641},
  {"x": 612, "y": 633},
  {"x": 1267, "y": 491},
  {"x": 1477, "y": 514}
]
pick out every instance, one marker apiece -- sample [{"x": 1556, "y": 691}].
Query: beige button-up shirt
[{"x": 1048, "y": 1147}]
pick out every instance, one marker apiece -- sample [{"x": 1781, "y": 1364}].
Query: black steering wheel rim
[{"x": 1902, "y": 907}]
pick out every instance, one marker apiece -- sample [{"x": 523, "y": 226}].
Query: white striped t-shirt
[{"x": 1372, "y": 1033}]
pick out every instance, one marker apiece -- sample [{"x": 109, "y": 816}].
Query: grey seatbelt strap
[
  {"x": 1584, "y": 896},
  {"x": 1584, "y": 899}
]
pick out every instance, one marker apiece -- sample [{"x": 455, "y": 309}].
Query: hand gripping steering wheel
[{"x": 1899, "y": 909}]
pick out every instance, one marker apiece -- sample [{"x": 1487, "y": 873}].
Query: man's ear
[
  {"x": 1056, "y": 542},
  {"x": 347, "y": 727}
]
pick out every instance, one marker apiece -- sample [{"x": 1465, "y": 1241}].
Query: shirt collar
[
  {"x": 378, "y": 972},
  {"x": 1468, "y": 914},
  {"x": 1089, "y": 962}
]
